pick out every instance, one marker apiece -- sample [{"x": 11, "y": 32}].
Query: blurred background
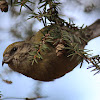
[{"x": 80, "y": 84}]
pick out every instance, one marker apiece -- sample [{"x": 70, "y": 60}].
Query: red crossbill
[{"x": 52, "y": 66}]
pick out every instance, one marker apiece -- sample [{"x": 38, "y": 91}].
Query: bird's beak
[{"x": 5, "y": 60}]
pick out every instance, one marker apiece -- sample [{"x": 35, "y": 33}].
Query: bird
[{"x": 48, "y": 68}]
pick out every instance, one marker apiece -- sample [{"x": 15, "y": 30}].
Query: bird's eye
[{"x": 13, "y": 50}]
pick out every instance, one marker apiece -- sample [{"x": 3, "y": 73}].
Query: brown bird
[{"x": 50, "y": 66}]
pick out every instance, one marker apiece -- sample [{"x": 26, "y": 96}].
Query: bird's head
[{"x": 13, "y": 50}]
